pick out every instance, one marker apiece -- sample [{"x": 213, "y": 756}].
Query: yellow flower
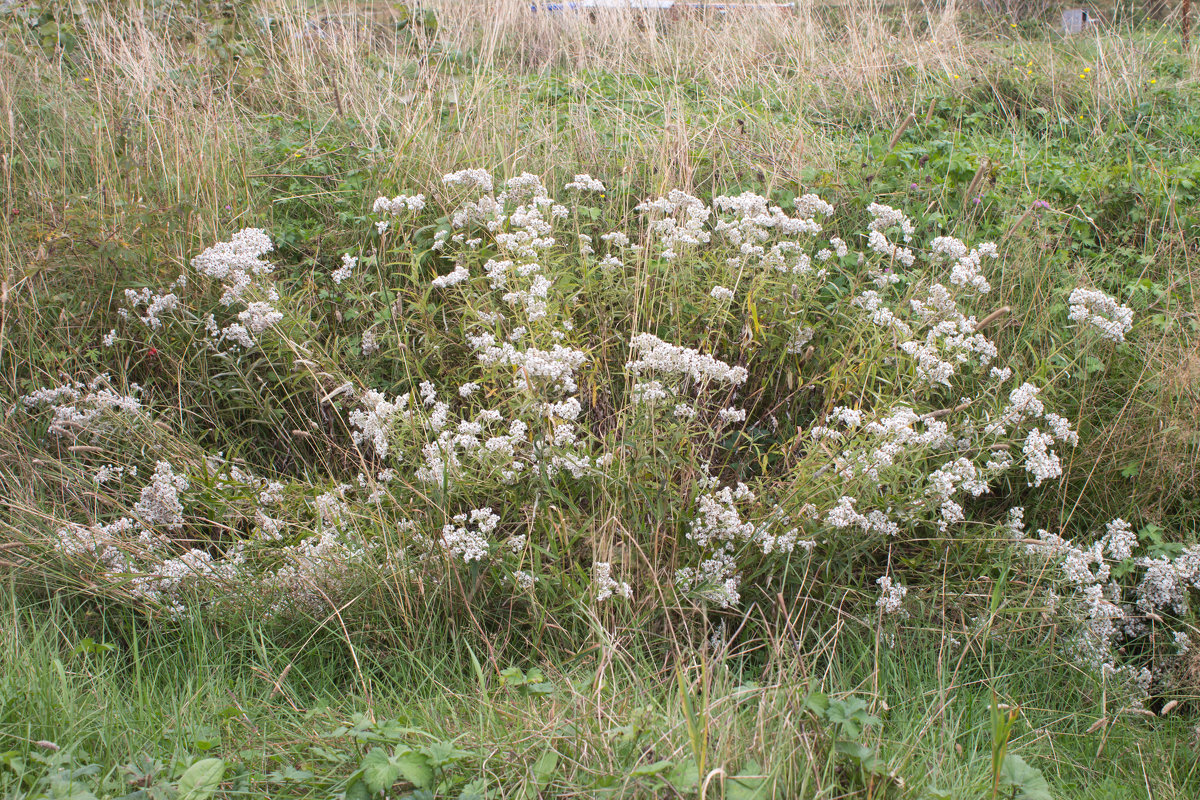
[
  {"x": 1153, "y": 80},
  {"x": 1087, "y": 69},
  {"x": 955, "y": 77},
  {"x": 1029, "y": 72}
]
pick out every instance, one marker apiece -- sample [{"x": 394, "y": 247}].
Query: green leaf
[
  {"x": 378, "y": 771},
  {"x": 357, "y": 790},
  {"x": 751, "y": 784},
  {"x": 851, "y": 715},
  {"x": 290, "y": 773},
  {"x": 864, "y": 756},
  {"x": 1026, "y": 780},
  {"x": 415, "y": 768},
  {"x": 545, "y": 767},
  {"x": 201, "y": 779},
  {"x": 651, "y": 769},
  {"x": 817, "y": 703},
  {"x": 685, "y": 776},
  {"x": 475, "y": 790}
]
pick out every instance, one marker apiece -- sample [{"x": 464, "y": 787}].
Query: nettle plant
[{"x": 706, "y": 405}]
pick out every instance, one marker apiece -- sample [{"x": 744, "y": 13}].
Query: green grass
[{"x": 113, "y": 691}]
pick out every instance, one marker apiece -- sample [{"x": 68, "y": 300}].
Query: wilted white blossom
[{"x": 159, "y": 503}]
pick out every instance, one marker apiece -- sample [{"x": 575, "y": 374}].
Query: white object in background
[{"x": 1074, "y": 20}]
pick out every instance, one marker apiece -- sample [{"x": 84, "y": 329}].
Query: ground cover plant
[{"x": 450, "y": 402}]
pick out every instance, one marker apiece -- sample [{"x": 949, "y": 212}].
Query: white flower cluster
[
  {"x": 678, "y": 222},
  {"x": 1104, "y": 614},
  {"x": 967, "y": 263},
  {"x": 606, "y": 585},
  {"x": 883, "y": 219},
  {"x": 452, "y": 278},
  {"x": 1097, "y": 309},
  {"x": 373, "y": 421},
  {"x": 399, "y": 204},
  {"x": 344, "y": 272},
  {"x": 716, "y": 577},
  {"x": 159, "y": 503},
  {"x": 77, "y": 408},
  {"x": 553, "y": 369},
  {"x": 891, "y": 596},
  {"x": 718, "y": 519},
  {"x": 146, "y": 563},
  {"x": 585, "y": 183},
  {"x": 755, "y": 219},
  {"x": 950, "y": 340},
  {"x": 656, "y": 355},
  {"x": 112, "y": 472},
  {"x": 244, "y": 275},
  {"x": 156, "y": 304},
  {"x": 1041, "y": 461},
  {"x": 370, "y": 342},
  {"x": 755, "y": 222},
  {"x": 845, "y": 515},
  {"x": 459, "y": 541},
  {"x": 479, "y": 179},
  {"x": 237, "y": 262}
]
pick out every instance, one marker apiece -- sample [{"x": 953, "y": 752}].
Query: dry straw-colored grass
[
  {"x": 191, "y": 113},
  {"x": 190, "y": 110}
]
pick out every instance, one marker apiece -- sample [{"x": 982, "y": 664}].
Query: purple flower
[
  {"x": 1040, "y": 204},
  {"x": 913, "y": 186},
  {"x": 976, "y": 201}
]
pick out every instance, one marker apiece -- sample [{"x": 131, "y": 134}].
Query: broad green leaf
[
  {"x": 685, "y": 776},
  {"x": 415, "y": 768},
  {"x": 378, "y": 771},
  {"x": 475, "y": 790},
  {"x": 545, "y": 767},
  {"x": 864, "y": 756},
  {"x": 1026, "y": 780},
  {"x": 201, "y": 779},
  {"x": 750, "y": 784},
  {"x": 357, "y": 790}
]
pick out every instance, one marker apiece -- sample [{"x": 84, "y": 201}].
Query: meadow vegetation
[{"x": 478, "y": 401}]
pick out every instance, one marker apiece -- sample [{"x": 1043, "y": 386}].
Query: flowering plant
[{"x": 716, "y": 402}]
